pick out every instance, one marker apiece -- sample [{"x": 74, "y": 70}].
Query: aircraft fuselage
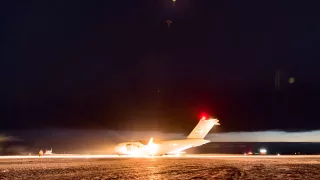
[
  {"x": 195, "y": 138},
  {"x": 160, "y": 148}
]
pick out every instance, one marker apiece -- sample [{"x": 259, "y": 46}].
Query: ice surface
[{"x": 161, "y": 168}]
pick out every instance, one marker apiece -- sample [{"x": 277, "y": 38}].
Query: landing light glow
[
  {"x": 152, "y": 148},
  {"x": 263, "y": 151},
  {"x": 149, "y": 149}
]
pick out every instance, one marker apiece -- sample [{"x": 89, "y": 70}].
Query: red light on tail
[{"x": 203, "y": 116}]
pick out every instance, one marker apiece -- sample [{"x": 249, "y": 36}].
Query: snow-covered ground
[{"x": 161, "y": 168}]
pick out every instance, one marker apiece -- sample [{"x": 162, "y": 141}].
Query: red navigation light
[{"x": 203, "y": 116}]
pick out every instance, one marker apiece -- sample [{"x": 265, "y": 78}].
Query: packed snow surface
[{"x": 161, "y": 168}]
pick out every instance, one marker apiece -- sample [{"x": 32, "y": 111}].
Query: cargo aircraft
[{"x": 195, "y": 138}]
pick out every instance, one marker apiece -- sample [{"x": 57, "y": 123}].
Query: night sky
[{"x": 117, "y": 65}]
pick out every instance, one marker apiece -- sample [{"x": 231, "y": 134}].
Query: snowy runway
[{"x": 173, "y": 167}]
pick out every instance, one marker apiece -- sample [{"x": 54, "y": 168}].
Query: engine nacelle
[{"x": 129, "y": 148}]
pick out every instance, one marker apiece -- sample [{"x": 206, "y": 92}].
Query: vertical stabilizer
[{"x": 202, "y": 128}]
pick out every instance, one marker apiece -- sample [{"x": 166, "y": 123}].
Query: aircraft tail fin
[{"x": 202, "y": 128}]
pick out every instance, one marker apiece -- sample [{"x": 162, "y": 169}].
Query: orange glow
[{"x": 151, "y": 148}]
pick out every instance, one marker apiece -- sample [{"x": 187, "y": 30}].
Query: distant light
[
  {"x": 278, "y": 154},
  {"x": 174, "y": 0},
  {"x": 203, "y": 117},
  {"x": 263, "y": 151},
  {"x": 292, "y": 80}
]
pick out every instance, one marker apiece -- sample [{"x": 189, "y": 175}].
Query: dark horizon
[{"x": 116, "y": 65}]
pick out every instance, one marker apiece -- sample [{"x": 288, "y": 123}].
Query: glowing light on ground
[{"x": 263, "y": 151}]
